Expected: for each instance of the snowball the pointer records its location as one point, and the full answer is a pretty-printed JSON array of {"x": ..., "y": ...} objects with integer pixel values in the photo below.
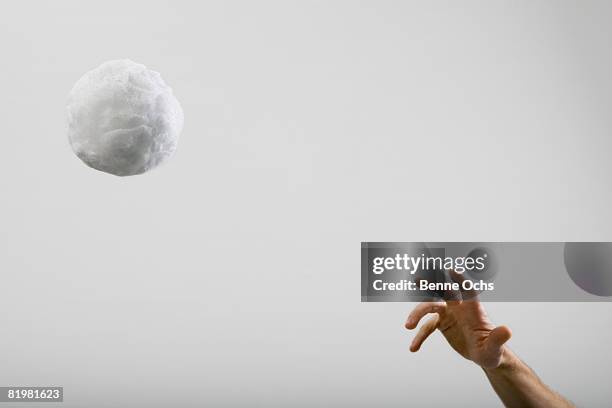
[{"x": 123, "y": 119}]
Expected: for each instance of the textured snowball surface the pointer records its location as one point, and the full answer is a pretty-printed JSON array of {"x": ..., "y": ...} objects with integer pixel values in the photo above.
[{"x": 123, "y": 119}]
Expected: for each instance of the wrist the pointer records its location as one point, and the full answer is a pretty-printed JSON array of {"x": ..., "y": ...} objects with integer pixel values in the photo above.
[{"x": 508, "y": 362}]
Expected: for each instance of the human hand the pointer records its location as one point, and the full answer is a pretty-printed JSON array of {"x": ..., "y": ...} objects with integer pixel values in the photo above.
[{"x": 466, "y": 327}]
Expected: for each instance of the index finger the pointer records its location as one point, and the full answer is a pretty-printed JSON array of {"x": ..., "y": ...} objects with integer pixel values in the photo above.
[{"x": 421, "y": 310}]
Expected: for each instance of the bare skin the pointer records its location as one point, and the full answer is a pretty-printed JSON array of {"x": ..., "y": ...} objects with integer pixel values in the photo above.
[{"x": 469, "y": 331}]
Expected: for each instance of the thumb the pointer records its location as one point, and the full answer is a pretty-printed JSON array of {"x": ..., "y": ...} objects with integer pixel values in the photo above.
[{"x": 498, "y": 337}]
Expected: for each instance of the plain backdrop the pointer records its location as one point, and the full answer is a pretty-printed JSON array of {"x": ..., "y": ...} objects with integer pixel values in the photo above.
[{"x": 230, "y": 276}]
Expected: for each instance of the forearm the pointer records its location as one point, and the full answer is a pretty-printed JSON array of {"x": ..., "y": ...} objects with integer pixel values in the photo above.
[{"x": 518, "y": 386}]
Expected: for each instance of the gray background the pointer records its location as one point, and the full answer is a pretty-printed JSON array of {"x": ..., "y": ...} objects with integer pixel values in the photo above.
[{"x": 230, "y": 276}]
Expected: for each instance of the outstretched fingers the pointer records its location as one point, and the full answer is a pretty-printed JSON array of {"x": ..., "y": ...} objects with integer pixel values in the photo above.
[{"x": 421, "y": 310}]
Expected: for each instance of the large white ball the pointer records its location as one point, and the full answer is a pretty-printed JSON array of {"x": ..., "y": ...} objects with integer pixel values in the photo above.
[{"x": 123, "y": 119}]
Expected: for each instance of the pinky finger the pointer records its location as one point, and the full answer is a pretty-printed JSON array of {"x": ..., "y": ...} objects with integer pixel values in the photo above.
[{"x": 429, "y": 327}]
